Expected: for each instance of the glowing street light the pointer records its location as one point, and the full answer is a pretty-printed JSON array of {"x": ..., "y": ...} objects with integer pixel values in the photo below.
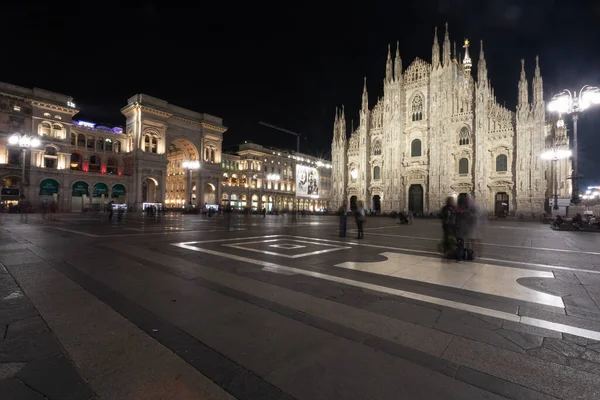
[
  {"x": 570, "y": 103},
  {"x": 555, "y": 154},
  {"x": 24, "y": 142}
]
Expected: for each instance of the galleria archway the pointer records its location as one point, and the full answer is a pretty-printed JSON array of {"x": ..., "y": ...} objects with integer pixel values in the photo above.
[{"x": 180, "y": 188}]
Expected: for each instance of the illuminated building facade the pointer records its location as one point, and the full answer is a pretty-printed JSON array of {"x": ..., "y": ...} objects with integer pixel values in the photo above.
[
  {"x": 80, "y": 165},
  {"x": 439, "y": 132},
  {"x": 259, "y": 177}
]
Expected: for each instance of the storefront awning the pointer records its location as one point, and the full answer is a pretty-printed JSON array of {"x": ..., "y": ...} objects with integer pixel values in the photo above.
[
  {"x": 100, "y": 189},
  {"x": 118, "y": 190},
  {"x": 80, "y": 188},
  {"x": 48, "y": 187}
]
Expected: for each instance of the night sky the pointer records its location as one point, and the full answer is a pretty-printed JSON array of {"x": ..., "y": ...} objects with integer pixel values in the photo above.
[{"x": 287, "y": 63}]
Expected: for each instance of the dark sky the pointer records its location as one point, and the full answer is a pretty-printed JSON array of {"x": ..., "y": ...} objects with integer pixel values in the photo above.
[{"x": 287, "y": 63}]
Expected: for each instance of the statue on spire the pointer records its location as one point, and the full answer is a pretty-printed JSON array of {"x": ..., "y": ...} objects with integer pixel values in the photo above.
[{"x": 467, "y": 60}]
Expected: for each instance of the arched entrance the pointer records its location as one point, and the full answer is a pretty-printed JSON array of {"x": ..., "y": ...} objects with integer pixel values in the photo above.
[
  {"x": 80, "y": 192},
  {"x": 180, "y": 180},
  {"x": 99, "y": 195},
  {"x": 149, "y": 190},
  {"x": 377, "y": 203},
  {"x": 501, "y": 204},
  {"x": 49, "y": 191},
  {"x": 353, "y": 203},
  {"x": 210, "y": 194},
  {"x": 118, "y": 193},
  {"x": 462, "y": 197},
  {"x": 415, "y": 199}
]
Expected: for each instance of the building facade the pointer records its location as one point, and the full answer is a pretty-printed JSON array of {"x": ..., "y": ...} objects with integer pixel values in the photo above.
[
  {"x": 165, "y": 154},
  {"x": 258, "y": 177},
  {"x": 438, "y": 132},
  {"x": 80, "y": 165}
]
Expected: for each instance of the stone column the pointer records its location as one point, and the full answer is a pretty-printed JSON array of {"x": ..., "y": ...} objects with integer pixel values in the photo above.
[
  {"x": 218, "y": 191},
  {"x": 200, "y": 190}
]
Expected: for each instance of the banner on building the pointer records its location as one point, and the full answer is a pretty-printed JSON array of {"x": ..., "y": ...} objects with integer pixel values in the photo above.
[{"x": 307, "y": 181}]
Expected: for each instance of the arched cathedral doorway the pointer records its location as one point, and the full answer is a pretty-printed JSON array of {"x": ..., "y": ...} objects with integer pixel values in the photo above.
[
  {"x": 377, "y": 204},
  {"x": 415, "y": 199}
]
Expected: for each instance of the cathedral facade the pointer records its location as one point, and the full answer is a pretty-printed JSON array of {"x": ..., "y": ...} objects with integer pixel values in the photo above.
[{"x": 439, "y": 132}]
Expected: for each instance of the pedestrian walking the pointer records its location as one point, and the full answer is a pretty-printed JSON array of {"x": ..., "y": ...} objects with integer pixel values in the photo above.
[
  {"x": 110, "y": 210},
  {"x": 343, "y": 214},
  {"x": 360, "y": 220}
]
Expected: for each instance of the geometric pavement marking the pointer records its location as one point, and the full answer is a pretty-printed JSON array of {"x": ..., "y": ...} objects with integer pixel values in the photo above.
[
  {"x": 287, "y": 246},
  {"x": 282, "y": 269}
]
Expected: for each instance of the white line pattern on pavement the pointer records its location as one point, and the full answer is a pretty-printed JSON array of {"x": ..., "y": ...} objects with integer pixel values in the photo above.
[
  {"x": 428, "y": 252},
  {"x": 273, "y": 267},
  {"x": 592, "y": 253}
]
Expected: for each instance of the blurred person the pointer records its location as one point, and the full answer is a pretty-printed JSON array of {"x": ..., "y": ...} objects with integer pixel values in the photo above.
[
  {"x": 343, "y": 214},
  {"x": 471, "y": 226},
  {"x": 448, "y": 215},
  {"x": 360, "y": 219}
]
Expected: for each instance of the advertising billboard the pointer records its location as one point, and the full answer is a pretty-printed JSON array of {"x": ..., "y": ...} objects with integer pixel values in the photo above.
[{"x": 307, "y": 181}]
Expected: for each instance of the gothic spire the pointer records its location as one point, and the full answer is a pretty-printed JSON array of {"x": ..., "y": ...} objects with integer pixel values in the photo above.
[
  {"x": 481, "y": 66},
  {"x": 538, "y": 83},
  {"x": 454, "y": 52},
  {"x": 446, "y": 48},
  {"x": 523, "y": 92},
  {"x": 397, "y": 63},
  {"x": 388, "y": 67},
  {"x": 365, "y": 97},
  {"x": 435, "y": 50}
]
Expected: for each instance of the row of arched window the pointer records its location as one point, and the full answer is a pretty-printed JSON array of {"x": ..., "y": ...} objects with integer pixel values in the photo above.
[
  {"x": 501, "y": 164},
  {"x": 51, "y": 130},
  {"x": 95, "y": 144},
  {"x": 94, "y": 164},
  {"x": 463, "y": 166}
]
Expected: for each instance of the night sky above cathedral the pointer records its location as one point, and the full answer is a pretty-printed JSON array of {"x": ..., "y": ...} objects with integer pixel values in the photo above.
[{"x": 289, "y": 64}]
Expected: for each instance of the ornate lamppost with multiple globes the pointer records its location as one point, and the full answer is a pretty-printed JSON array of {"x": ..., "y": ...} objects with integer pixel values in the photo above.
[
  {"x": 574, "y": 104},
  {"x": 24, "y": 142},
  {"x": 554, "y": 154}
]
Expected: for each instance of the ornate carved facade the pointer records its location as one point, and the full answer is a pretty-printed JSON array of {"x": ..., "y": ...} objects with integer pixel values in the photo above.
[{"x": 439, "y": 132}]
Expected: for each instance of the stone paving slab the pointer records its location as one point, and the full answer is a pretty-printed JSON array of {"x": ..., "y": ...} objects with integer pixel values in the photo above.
[
  {"x": 117, "y": 359},
  {"x": 32, "y": 363},
  {"x": 542, "y": 376}
]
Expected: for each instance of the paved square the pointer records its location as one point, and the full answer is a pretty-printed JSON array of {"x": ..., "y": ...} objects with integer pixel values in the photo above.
[{"x": 288, "y": 247}]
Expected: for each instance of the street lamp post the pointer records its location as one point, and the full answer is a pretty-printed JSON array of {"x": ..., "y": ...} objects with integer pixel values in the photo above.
[
  {"x": 567, "y": 103},
  {"x": 554, "y": 154},
  {"x": 191, "y": 166},
  {"x": 24, "y": 142}
]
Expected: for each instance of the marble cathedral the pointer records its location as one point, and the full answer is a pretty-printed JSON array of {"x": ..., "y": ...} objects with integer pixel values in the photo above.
[{"x": 438, "y": 132}]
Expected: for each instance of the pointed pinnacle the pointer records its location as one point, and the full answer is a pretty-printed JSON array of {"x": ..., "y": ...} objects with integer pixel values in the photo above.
[
  {"x": 435, "y": 35},
  {"x": 389, "y": 53},
  {"x": 447, "y": 34},
  {"x": 397, "y": 48},
  {"x": 481, "y": 49}
]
